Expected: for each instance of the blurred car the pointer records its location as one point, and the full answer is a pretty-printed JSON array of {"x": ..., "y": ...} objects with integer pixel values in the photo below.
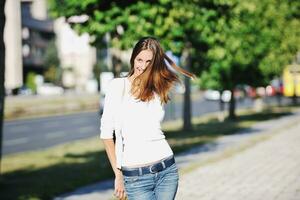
[
  {"x": 270, "y": 90},
  {"x": 49, "y": 89},
  {"x": 24, "y": 91},
  {"x": 261, "y": 91},
  {"x": 250, "y": 91},
  {"x": 214, "y": 95}
]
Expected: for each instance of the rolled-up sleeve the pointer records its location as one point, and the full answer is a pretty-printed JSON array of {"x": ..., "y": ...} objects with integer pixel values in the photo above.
[{"x": 107, "y": 120}]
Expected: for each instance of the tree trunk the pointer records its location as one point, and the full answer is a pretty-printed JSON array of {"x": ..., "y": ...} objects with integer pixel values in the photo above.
[
  {"x": 117, "y": 66},
  {"x": 294, "y": 98},
  {"x": 186, "y": 62},
  {"x": 187, "y": 125},
  {"x": 279, "y": 99},
  {"x": 232, "y": 106},
  {"x": 221, "y": 116},
  {"x": 2, "y": 72}
]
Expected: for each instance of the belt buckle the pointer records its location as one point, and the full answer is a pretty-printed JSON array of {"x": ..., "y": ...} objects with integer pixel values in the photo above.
[
  {"x": 156, "y": 168},
  {"x": 150, "y": 169}
]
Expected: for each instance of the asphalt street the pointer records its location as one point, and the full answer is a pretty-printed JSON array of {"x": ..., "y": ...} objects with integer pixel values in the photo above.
[{"x": 35, "y": 134}]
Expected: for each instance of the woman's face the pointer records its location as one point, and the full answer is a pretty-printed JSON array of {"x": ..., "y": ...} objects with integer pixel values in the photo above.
[{"x": 142, "y": 61}]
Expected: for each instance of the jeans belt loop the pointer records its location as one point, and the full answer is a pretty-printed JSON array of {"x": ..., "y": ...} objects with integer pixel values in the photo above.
[
  {"x": 140, "y": 171},
  {"x": 163, "y": 164}
]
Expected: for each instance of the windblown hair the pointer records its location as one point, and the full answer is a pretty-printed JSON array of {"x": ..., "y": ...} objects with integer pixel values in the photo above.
[{"x": 157, "y": 77}]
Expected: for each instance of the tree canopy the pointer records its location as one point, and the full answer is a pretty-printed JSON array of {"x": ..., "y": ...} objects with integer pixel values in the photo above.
[
  {"x": 230, "y": 42},
  {"x": 256, "y": 40}
]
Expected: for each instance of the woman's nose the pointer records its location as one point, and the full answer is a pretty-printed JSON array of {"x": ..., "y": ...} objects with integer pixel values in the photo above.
[{"x": 143, "y": 66}]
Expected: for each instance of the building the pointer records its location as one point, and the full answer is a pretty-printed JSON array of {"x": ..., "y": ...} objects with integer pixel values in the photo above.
[
  {"x": 37, "y": 32},
  {"x": 28, "y": 31},
  {"x": 77, "y": 57}
]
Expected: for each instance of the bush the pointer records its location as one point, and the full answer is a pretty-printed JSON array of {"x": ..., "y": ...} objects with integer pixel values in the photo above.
[{"x": 30, "y": 81}]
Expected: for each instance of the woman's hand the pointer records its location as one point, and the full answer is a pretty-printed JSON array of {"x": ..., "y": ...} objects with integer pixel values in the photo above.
[{"x": 119, "y": 188}]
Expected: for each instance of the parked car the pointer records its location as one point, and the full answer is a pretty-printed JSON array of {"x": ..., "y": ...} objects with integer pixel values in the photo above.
[
  {"x": 49, "y": 89},
  {"x": 214, "y": 95},
  {"x": 25, "y": 91},
  {"x": 226, "y": 95}
]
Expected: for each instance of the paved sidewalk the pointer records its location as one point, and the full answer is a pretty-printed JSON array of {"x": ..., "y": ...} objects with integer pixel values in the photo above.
[
  {"x": 268, "y": 171},
  {"x": 262, "y": 162}
]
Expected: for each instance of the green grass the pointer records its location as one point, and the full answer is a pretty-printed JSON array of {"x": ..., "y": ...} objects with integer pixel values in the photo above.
[{"x": 44, "y": 174}]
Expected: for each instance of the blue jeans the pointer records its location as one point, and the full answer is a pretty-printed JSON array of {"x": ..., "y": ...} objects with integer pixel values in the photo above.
[{"x": 157, "y": 186}]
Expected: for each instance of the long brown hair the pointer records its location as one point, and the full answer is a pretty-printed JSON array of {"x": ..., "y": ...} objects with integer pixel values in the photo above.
[{"x": 157, "y": 77}]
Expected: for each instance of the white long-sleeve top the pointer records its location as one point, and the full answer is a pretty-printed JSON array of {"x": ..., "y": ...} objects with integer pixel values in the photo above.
[{"x": 141, "y": 140}]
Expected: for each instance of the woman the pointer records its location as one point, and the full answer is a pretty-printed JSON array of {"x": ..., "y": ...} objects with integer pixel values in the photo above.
[{"x": 141, "y": 158}]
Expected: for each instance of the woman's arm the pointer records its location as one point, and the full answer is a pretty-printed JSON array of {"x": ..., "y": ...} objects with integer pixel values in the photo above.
[
  {"x": 110, "y": 151},
  {"x": 107, "y": 130}
]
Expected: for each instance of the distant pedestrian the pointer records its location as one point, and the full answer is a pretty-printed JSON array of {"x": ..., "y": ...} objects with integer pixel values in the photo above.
[{"x": 141, "y": 158}]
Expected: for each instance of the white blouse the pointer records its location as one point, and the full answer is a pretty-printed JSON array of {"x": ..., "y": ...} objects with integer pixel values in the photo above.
[{"x": 143, "y": 141}]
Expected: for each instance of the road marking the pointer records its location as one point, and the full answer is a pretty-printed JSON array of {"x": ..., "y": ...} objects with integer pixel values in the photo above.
[
  {"x": 51, "y": 124},
  {"x": 18, "y": 129},
  {"x": 85, "y": 129},
  {"x": 78, "y": 121},
  {"x": 15, "y": 141},
  {"x": 55, "y": 134}
]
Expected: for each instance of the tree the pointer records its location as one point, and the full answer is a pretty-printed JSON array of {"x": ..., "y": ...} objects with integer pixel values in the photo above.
[
  {"x": 229, "y": 42},
  {"x": 2, "y": 73},
  {"x": 50, "y": 59},
  {"x": 175, "y": 23},
  {"x": 251, "y": 48}
]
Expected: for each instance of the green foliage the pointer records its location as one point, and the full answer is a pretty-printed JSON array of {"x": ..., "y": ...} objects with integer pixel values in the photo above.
[
  {"x": 53, "y": 73},
  {"x": 175, "y": 23},
  {"x": 250, "y": 46},
  {"x": 232, "y": 42},
  {"x": 51, "y": 56},
  {"x": 30, "y": 81}
]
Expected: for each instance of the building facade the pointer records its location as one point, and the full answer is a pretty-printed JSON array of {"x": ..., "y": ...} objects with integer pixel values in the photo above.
[{"x": 28, "y": 32}]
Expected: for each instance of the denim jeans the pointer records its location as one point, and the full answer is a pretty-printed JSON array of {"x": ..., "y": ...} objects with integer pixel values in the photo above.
[{"x": 157, "y": 186}]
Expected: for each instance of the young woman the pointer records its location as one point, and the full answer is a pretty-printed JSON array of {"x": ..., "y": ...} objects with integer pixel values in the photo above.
[{"x": 141, "y": 158}]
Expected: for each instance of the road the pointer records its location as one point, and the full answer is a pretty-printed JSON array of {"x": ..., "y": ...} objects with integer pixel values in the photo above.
[{"x": 35, "y": 134}]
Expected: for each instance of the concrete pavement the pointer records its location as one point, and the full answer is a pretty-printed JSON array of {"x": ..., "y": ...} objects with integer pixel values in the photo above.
[
  {"x": 262, "y": 162},
  {"x": 269, "y": 170}
]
